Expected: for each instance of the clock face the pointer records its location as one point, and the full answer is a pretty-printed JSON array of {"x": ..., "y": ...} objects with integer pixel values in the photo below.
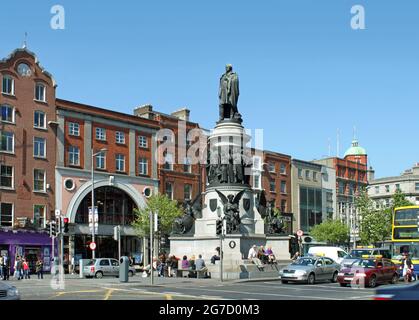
[{"x": 24, "y": 70}]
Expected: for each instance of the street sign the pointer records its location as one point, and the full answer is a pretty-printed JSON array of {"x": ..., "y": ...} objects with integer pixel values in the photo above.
[
  {"x": 57, "y": 213},
  {"x": 300, "y": 233},
  {"x": 92, "y": 246}
]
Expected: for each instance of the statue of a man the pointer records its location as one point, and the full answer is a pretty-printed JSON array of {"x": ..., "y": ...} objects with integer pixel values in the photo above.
[{"x": 229, "y": 94}]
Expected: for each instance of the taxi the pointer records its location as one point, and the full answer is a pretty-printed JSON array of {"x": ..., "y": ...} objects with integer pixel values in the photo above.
[{"x": 369, "y": 271}]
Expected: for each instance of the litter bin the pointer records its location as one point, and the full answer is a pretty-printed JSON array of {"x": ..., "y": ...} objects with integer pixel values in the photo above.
[{"x": 123, "y": 269}]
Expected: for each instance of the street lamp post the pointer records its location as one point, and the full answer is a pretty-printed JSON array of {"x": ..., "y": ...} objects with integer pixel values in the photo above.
[{"x": 93, "y": 199}]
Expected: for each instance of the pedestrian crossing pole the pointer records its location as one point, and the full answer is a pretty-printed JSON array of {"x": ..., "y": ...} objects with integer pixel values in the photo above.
[{"x": 151, "y": 247}]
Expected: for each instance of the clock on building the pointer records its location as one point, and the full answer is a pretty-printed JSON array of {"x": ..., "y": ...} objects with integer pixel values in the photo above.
[{"x": 24, "y": 70}]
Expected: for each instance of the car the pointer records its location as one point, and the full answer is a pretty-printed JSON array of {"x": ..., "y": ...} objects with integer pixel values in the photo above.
[
  {"x": 8, "y": 292},
  {"x": 310, "y": 269},
  {"x": 408, "y": 292},
  {"x": 365, "y": 252},
  {"x": 335, "y": 253},
  {"x": 369, "y": 272},
  {"x": 104, "y": 267}
]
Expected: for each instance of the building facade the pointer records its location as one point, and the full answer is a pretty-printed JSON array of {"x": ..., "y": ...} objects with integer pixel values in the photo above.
[
  {"x": 27, "y": 156},
  {"x": 382, "y": 190}
]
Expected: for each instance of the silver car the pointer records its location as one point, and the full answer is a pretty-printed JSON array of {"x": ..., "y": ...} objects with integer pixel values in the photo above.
[
  {"x": 8, "y": 292},
  {"x": 310, "y": 270},
  {"x": 104, "y": 267}
]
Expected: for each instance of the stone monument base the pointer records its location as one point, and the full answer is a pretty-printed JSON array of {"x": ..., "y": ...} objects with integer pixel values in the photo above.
[{"x": 235, "y": 247}]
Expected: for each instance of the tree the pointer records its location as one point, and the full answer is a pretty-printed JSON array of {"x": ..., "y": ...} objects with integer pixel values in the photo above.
[
  {"x": 167, "y": 209},
  {"x": 331, "y": 231}
]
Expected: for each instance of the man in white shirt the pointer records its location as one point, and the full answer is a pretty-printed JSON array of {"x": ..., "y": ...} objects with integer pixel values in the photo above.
[{"x": 253, "y": 255}]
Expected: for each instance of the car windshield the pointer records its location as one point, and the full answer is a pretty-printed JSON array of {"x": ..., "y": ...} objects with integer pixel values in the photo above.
[
  {"x": 91, "y": 262},
  {"x": 364, "y": 263},
  {"x": 360, "y": 253},
  {"x": 304, "y": 261}
]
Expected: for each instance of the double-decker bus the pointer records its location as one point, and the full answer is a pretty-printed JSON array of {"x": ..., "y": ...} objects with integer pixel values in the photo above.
[{"x": 405, "y": 234}]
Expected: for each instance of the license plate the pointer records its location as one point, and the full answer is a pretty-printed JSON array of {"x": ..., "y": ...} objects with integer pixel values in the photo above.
[{"x": 347, "y": 279}]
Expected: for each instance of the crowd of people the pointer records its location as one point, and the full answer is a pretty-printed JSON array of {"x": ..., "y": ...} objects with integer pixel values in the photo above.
[
  {"x": 261, "y": 256},
  {"x": 21, "y": 268}
]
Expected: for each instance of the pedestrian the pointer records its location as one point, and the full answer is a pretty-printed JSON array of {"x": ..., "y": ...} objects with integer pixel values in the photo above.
[
  {"x": 192, "y": 267},
  {"x": 185, "y": 263},
  {"x": 39, "y": 268},
  {"x": 407, "y": 267},
  {"x": 296, "y": 256},
  {"x": 161, "y": 267},
  {"x": 262, "y": 255},
  {"x": 1, "y": 267},
  {"x": 216, "y": 256},
  {"x": 17, "y": 267},
  {"x": 200, "y": 266},
  {"x": 270, "y": 254},
  {"x": 26, "y": 270},
  {"x": 6, "y": 267}
]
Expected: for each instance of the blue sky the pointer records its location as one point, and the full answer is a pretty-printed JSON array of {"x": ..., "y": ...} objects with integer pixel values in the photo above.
[{"x": 303, "y": 71}]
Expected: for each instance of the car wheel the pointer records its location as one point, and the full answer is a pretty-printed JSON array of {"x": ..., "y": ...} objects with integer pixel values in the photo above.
[
  {"x": 395, "y": 279},
  {"x": 130, "y": 274},
  {"x": 311, "y": 278},
  {"x": 99, "y": 275},
  {"x": 284, "y": 281},
  {"x": 335, "y": 277},
  {"x": 373, "y": 281}
]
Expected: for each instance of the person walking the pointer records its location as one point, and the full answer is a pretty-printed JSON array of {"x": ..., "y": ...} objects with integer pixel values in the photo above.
[
  {"x": 39, "y": 268},
  {"x": 1, "y": 267},
  {"x": 26, "y": 271},
  {"x": 18, "y": 267},
  {"x": 6, "y": 267},
  {"x": 407, "y": 267}
]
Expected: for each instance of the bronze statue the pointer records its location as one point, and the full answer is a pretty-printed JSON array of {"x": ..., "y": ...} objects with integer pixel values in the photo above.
[
  {"x": 231, "y": 210},
  {"x": 229, "y": 94},
  {"x": 183, "y": 224},
  {"x": 275, "y": 225}
]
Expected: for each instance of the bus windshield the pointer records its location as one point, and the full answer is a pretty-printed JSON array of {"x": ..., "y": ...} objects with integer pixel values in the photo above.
[
  {"x": 406, "y": 217},
  {"x": 410, "y": 247}
]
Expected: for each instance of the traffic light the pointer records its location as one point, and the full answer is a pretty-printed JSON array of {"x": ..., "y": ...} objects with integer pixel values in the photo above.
[
  {"x": 65, "y": 225},
  {"x": 219, "y": 227},
  {"x": 52, "y": 229}
]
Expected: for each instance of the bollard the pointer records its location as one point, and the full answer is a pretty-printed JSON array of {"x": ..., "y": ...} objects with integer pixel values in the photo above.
[
  {"x": 123, "y": 269},
  {"x": 81, "y": 266}
]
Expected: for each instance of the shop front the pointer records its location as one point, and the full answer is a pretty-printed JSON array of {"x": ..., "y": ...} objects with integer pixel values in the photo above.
[{"x": 29, "y": 244}]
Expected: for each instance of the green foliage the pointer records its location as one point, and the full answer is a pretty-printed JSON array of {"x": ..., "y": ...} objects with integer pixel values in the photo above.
[
  {"x": 167, "y": 209},
  {"x": 331, "y": 231},
  {"x": 376, "y": 223}
]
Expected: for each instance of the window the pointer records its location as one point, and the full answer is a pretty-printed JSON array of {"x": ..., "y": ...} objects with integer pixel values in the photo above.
[
  {"x": 7, "y": 141},
  {"x": 398, "y": 187},
  {"x": 120, "y": 162},
  {"x": 351, "y": 189},
  {"x": 256, "y": 181},
  {"x": 272, "y": 186},
  {"x": 143, "y": 166},
  {"x": 169, "y": 190},
  {"x": 7, "y": 113},
  {"x": 283, "y": 187},
  {"x": 39, "y": 180},
  {"x": 120, "y": 137},
  {"x": 187, "y": 191},
  {"x": 341, "y": 187},
  {"x": 307, "y": 174},
  {"x": 40, "y": 92},
  {"x": 187, "y": 165},
  {"x": 73, "y": 156},
  {"x": 100, "y": 134},
  {"x": 315, "y": 176},
  {"x": 8, "y": 86},
  {"x": 387, "y": 188},
  {"x": 6, "y": 214},
  {"x": 377, "y": 189},
  {"x": 283, "y": 169},
  {"x": 271, "y": 167},
  {"x": 417, "y": 186},
  {"x": 39, "y": 120},
  {"x": 104, "y": 262},
  {"x": 142, "y": 142},
  {"x": 6, "y": 176},
  {"x": 283, "y": 205},
  {"x": 168, "y": 162},
  {"x": 300, "y": 173},
  {"x": 256, "y": 163},
  {"x": 74, "y": 129},
  {"x": 39, "y": 147},
  {"x": 101, "y": 160},
  {"x": 39, "y": 216}
]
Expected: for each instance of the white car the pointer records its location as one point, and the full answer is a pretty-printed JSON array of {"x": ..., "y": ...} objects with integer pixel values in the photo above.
[
  {"x": 335, "y": 253},
  {"x": 104, "y": 267}
]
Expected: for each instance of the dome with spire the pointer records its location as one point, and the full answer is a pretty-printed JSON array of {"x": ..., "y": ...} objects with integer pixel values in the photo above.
[{"x": 355, "y": 150}]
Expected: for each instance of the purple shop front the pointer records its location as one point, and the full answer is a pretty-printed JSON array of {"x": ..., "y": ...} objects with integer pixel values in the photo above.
[{"x": 29, "y": 244}]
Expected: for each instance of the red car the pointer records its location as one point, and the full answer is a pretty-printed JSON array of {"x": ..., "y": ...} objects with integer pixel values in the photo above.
[{"x": 369, "y": 272}]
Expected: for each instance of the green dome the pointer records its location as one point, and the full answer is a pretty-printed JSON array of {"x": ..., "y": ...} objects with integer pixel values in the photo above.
[{"x": 355, "y": 150}]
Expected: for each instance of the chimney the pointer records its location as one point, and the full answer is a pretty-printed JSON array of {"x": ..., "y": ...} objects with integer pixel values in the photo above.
[
  {"x": 182, "y": 114},
  {"x": 370, "y": 174},
  {"x": 144, "y": 111}
]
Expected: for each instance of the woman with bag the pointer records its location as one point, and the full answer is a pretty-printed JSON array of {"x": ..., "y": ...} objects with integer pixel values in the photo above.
[{"x": 407, "y": 267}]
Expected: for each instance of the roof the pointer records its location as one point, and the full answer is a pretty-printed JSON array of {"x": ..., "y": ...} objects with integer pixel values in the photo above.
[{"x": 355, "y": 150}]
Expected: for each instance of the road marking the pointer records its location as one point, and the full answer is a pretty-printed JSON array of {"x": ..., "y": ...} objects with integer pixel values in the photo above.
[
  {"x": 108, "y": 294},
  {"x": 168, "y": 297},
  {"x": 298, "y": 287}
]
